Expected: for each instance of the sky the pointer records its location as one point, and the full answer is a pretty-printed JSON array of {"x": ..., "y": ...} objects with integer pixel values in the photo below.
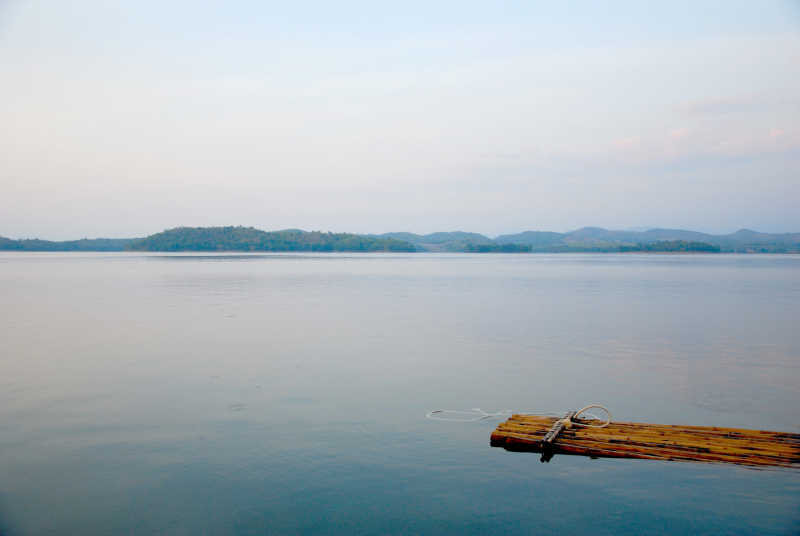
[{"x": 121, "y": 119}]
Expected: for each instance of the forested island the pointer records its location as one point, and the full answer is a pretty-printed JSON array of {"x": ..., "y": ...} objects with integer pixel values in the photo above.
[
  {"x": 252, "y": 239},
  {"x": 584, "y": 240}
]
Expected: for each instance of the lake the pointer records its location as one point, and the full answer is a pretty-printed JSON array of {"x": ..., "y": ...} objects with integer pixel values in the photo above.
[{"x": 287, "y": 393}]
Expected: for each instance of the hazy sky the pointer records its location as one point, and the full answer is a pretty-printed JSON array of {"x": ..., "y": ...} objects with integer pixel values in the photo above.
[{"x": 125, "y": 118}]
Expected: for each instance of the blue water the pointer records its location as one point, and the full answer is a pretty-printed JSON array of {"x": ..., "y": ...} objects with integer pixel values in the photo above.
[{"x": 286, "y": 394}]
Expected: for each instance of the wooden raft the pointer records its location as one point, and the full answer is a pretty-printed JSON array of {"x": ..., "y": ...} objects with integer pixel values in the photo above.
[{"x": 651, "y": 441}]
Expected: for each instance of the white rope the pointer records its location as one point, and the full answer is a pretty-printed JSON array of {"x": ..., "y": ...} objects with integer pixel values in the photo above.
[
  {"x": 464, "y": 415},
  {"x": 477, "y": 414},
  {"x": 569, "y": 421}
]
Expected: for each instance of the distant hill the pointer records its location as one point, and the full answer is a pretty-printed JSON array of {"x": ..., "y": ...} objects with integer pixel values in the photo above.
[
  {"x": 251, "y": 239},
  {"x": 594, "y": 238},
  {"x": 532, "y": 238},
  {"x": 454, "y": 241},
  {"x": 586, "y": 239},
  {"x": 672, "y": 246},
  {"x": 85, "y": 244}
]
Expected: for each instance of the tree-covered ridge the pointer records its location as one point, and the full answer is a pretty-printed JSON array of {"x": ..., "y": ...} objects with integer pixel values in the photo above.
[
  {"x": 252, "y": 239},
  {"x": 453, "y": 241},
  {"x": 599, "y": 239},
  {"x": 84, "y": 244},
  {"x": 586, "y": 239},
  {"x": 469, "y": 247},
  {"x": 673, "y": 246}
]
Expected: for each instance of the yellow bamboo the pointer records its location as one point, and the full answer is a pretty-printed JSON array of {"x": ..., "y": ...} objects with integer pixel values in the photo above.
[
  {"x": 655, "y": 441},
  {"x": 684, "y": 440}
]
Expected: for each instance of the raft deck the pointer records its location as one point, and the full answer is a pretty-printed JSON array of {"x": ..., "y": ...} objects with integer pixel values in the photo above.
[{"x": 651, "y": 441}]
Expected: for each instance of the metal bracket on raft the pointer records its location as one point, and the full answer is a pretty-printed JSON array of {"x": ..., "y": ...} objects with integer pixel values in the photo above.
[{"x": 546, "y": 444}]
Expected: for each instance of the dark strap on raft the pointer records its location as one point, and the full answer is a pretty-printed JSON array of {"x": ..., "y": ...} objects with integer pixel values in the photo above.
[{"x": 546, "y": 444}]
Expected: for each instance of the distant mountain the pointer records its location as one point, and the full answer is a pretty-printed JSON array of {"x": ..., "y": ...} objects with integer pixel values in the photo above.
[
  {"x": 85, "y": 244},
  {"x": 653, "y": 235},
  {"x": 252, "y": 239},
  {"x": 585, "y": 239},
  {"x": 592, "y": 238},
  {"x": 532, "y": 238},
  {"x": 745, "y": 239},
  {"x": 406, "y": 237},
  {"x": 672, "y": 246},
  {"x": 454, "y": 241},
  {"x": 456, "y": 236}
]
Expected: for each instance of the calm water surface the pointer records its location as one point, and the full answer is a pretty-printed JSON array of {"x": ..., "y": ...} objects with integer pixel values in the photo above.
[{"x": 284, "y": 394}]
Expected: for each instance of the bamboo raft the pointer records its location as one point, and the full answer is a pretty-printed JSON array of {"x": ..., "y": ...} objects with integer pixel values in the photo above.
[{"x": 550, "y": 435}]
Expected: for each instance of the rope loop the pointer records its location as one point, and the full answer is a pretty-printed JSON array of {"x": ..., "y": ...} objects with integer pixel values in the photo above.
[
  {"x": 576, "y": 420},
  {"x": 579, "y": 418}
]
